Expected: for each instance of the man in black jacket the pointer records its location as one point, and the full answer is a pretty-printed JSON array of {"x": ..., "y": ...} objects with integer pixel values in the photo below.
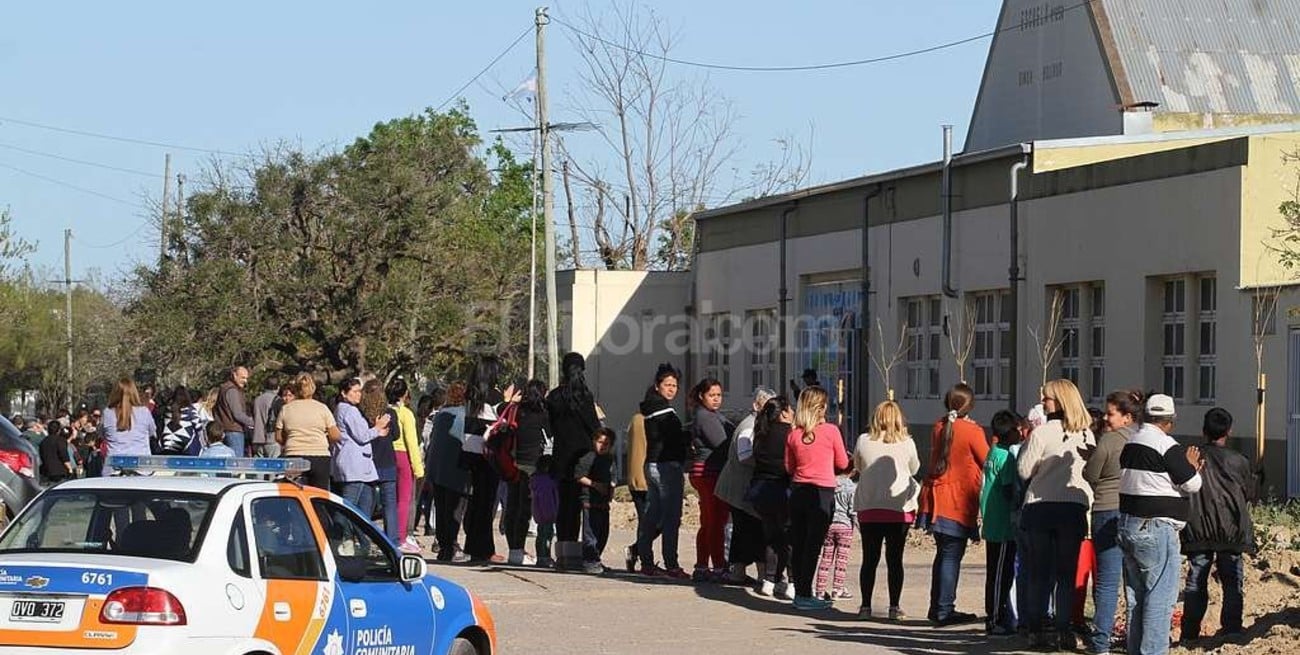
[{"x": 1218, "y": 529}]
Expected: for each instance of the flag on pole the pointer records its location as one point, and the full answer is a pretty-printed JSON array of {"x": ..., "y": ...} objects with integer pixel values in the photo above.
[{"x": 527, "y": 88}]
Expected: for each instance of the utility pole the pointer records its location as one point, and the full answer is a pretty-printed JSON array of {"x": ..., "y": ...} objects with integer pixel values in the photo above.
[
  {"x": 532, "y": 270},
  {"x": 67, "y": 305},
  {"x": 548, "y": 206},
  {"x": 167, "y": 190}
]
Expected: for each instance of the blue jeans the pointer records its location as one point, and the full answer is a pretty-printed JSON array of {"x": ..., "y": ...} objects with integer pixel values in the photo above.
[
  {"x": 1196, "y": 594},
  {"x": 236, "y": 442},
  {"x": 1054, "y": 532},
  {"x": 1152, "y": 565},
  {"x": 362, "y": 497},
  {"x": 665, "y": 485},
  {"x": 949, "y": 551},
  {"x": 1106, "y": 576},
  {"x": 388, "y": 497}
]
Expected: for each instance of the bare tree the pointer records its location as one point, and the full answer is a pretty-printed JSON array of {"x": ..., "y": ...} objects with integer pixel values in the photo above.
[
  {"x": 961, "y": 339},
  {"x": 1047, "y": 337},
  {"x": 668, "y": 142},
  {"x": 885, "y": 361},
  {"x": 1263, "y": 311}
]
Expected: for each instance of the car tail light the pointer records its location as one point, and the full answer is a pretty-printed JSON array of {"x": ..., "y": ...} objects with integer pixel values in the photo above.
[
  {"x": 19, "y": 461},
  {"x": 142, "y": 606}
]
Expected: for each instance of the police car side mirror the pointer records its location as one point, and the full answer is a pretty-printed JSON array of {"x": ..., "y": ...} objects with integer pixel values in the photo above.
[{"x": 413, "y": 568}]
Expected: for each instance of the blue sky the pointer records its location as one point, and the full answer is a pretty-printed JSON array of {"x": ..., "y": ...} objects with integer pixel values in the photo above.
[{"x": 235, "y": 75}]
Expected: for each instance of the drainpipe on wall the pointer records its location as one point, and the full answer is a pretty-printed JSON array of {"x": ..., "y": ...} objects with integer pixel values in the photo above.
[
  {"x": 864, "y": 320},
  {"x": 1014, "y": 278},
  {"x": 783, "y": 297},
  {"x": 946, "y": 203}
]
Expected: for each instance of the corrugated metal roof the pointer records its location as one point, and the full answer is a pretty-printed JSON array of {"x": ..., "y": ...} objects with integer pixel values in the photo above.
[{"x": 1210, "y": 56}]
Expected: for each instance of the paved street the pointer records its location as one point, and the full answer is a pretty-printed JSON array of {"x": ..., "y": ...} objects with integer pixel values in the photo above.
[{"x": 546, "y": 612}]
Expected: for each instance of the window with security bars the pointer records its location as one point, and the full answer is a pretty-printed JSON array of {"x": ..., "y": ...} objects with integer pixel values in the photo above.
[
  {"x": 1173, "y": 327},
  {"x": 922, "y": 324},
  {"x": 1097, "y": 342},
  {"x": 761, "y": 328},
  {"x": 1207, "y": 339},
  {"x": 1082, "y": 353},
  {"x": 990, "y": 356},
  {"x": 717, "y": 347}
]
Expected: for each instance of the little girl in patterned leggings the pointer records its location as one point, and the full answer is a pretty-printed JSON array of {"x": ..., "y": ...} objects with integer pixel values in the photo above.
[{"x": 838, "y": 544}]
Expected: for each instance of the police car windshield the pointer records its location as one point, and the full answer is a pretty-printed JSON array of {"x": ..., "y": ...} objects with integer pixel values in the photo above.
[{"x": 153, "y": 524}]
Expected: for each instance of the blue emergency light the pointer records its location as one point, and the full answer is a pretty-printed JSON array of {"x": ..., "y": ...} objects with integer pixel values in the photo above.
[{"x": 185, "y": 464}]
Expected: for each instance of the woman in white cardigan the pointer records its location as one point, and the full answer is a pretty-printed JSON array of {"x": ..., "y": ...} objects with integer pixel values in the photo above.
[{"x": 887, "y": 463}]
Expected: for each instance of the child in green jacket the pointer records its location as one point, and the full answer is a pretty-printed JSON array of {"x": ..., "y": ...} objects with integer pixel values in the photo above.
[{"x": 998, "y": 499}]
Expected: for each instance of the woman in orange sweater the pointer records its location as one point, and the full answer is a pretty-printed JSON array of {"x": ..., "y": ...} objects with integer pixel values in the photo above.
[{"x": 950, "y": 499}]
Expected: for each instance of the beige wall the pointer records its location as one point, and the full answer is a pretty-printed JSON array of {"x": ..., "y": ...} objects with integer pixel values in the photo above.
[
  {"x": 1270, "y": 179},
  {"x": 620, "y": 321}
]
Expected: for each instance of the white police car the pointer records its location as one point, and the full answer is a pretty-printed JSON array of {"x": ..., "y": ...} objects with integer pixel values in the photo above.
[{"x": 186, "y": 564}]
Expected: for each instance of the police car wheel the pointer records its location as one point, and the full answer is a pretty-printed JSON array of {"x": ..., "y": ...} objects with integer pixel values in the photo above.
[{"x": 462, "y": 646}]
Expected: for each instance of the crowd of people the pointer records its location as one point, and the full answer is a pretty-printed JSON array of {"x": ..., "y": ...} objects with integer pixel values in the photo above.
[{"x": 1059, "y": 496}]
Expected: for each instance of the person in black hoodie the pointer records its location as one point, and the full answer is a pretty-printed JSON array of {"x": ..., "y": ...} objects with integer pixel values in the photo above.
[
  {"x": 532, "y": 440},
  {"x": 482, "y": 400},
  {"x": 769, "y": 490},
  {"x": 666, "y": 451},
  {"x": 572, "y": 411},
  {"x": 1218, "y": 529}
]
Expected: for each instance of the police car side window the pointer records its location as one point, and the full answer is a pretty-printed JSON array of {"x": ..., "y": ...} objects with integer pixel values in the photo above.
[
  {"x": 237, "y": 547},
  {"x": 286, "y": 547},
  {"x": 358, "y": 548}
]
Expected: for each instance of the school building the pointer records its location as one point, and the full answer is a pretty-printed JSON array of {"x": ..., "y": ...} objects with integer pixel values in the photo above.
[{"x": 1113, "y": 218}]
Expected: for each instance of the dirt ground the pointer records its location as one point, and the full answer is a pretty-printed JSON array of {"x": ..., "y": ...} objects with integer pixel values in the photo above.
[{"x": 542, "y": 611}]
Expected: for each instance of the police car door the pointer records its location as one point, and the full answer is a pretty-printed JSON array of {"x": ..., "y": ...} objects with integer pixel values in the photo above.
[
  {"x": 385, "y": 614},
  {"x": 299, "y": 608}
]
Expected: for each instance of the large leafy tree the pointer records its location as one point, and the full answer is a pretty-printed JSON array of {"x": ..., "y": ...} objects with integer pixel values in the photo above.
[{"x": 407, "y": 250}]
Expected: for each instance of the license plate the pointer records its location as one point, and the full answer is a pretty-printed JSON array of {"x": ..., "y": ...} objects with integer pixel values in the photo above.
[{"x": 36, "y": 611}]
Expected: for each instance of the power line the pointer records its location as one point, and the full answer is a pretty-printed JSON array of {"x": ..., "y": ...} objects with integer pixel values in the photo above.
[
  {"x": 69, "y": 185},
  {"x": 803, "y": 67},
  {"x": 132, "y": 171},
  {"x": 487, "y": 68},
  {"x": 128, "y": 237},
  {"x": 123, "y": 139}
]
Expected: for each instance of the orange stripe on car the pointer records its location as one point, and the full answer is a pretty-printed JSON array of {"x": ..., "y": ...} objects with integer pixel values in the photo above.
[
  {"x": 483, "y": 618},
  {"x": 89, "y": 633}
]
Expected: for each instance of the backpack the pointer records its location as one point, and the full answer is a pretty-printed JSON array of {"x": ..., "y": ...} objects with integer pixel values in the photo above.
[{"x": 500, "y": 441}]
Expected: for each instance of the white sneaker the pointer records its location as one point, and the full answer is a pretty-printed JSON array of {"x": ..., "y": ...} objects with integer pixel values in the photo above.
[
  {"x": 521, "y": 558},
  {"x": 785, "y": 590},
  {"x": 766, "y": 588},
  {"x": 411, "y": 546}
]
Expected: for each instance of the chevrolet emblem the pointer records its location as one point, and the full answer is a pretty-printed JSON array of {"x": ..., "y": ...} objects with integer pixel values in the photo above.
[{"x": 37, "y": 582}]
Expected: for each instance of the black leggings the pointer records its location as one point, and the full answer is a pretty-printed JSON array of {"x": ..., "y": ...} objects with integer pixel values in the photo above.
[
  {"x": 810, "y": 517},
  {"x": 447, "y": 509},
  {"x": 568, "y": 522},
  {"x": 479, "y": 541},
  {"x": 774, "y": 513},
  {"x": 519, "y": 511},
  {"x": 319, "y": 474},
  {"x": 893, "y": 536}
]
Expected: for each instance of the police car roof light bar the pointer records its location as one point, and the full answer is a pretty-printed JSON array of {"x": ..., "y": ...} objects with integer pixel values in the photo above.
[{"x": 187, "y": 464}]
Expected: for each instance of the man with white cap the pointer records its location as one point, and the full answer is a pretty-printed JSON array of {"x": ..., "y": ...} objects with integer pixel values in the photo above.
[{"x": 1157, "y": 477}]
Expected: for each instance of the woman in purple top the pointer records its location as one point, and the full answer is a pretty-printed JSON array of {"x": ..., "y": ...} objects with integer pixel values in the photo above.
[
  {"x": 353, "y": 458},
  {"x": 128, "y": 425}
]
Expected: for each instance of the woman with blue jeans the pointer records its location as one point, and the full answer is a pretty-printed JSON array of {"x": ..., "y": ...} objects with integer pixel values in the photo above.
[
  {"x": 374, "y": 404},
  {"x": 353, "y": 456},
  {"x": 1102, "y": 472},
  {"x": 666, "y": 450}
]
